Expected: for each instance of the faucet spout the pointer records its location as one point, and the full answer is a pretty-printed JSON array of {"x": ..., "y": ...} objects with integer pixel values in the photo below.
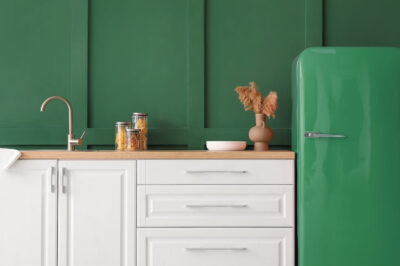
[
  {"x": 71, "y": 141},
  {"x": 70, "y": 121}
]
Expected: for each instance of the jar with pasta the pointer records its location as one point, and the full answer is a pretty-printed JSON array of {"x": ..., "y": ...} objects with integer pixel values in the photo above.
[
  {"x": 140, "y": 122},
  {"x": 132, "y": 139},
  {"x": 120, "y": 135}
]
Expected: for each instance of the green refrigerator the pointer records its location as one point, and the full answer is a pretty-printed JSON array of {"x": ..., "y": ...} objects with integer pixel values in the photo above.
[{"x": 346, "y": 135}]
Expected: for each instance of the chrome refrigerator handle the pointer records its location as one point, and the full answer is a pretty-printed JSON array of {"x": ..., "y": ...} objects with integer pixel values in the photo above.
[{"x": 317, "y": 135}]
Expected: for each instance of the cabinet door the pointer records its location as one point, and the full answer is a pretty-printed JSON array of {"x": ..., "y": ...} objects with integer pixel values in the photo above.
[
  {"x": 28, "y": 207},
  {"x": 215, "y": 247},
  {"x": 97, "y": 213}
]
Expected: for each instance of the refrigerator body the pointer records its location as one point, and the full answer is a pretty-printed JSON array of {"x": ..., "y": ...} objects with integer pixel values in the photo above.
[{"x": 346, "y": 131}]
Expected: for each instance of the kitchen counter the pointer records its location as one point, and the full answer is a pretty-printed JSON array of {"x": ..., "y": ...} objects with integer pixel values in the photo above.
[{"x": 118, "y": 155}]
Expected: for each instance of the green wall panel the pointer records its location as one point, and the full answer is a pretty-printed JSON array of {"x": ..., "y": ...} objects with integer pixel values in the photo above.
[
  {"x": 34, "y": 63},
  {"x": 178, "y": 60},
  {"x": 138, "y": 62},
  {"x": 361, "y": 23},
  {"x": 245, "y": 41}
]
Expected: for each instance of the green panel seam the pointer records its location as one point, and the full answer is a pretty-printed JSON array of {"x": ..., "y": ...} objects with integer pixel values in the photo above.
[
  {"x": 79, "y": 66},
  {"x": 313, "y": 23},
  {"x": 195, "y": 63},
  {"x": 105, "y": 136},
  {"x": 34, "y": 136},
  {"x": 173, "y": 136}
]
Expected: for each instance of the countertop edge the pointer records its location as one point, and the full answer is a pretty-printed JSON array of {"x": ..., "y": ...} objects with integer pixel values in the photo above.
[{"x": 143, "y": 155}]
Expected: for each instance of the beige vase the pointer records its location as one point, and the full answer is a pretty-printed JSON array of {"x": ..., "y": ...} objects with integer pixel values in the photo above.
[{"x": 261, "y": 134}]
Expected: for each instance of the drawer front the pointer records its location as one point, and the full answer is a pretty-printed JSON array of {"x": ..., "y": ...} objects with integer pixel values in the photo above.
[
  {"x": 216, "y": 206},
  {"x": 215, "y": 247},
  {"x": 215, "y": 172}
]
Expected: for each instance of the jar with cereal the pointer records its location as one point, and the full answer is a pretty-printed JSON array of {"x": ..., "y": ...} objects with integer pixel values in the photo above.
[{"x": 140, "y": 122}]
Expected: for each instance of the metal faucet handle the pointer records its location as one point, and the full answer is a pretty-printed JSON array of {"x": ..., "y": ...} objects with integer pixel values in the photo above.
[
  {"x": 77, "y": 142},
  {"x": 83, "y": 135}
]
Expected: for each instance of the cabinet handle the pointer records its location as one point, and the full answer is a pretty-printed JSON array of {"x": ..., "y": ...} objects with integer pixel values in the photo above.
[
  {"x": 216, "y": 249},
  {"x": 63, "y": 181},
  {"x": 53, "y": 180},
  {"x": 216, "y": 206},
  {"x": 215, "y": 171}
]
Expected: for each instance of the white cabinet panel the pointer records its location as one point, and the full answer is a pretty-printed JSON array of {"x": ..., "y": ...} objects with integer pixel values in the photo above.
[
  {"x": 97, "y": 213},
  {"x": 28, "y": 207},
  {"x": 87, "y": 215},
  {"x": 215, "y": 206},
  {"x": 215, "y": 172},
  {"x": 215, "y": 247}
]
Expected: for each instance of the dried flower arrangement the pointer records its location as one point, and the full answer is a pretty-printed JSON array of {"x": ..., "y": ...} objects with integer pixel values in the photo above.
[{"x": 253, "y": 100}]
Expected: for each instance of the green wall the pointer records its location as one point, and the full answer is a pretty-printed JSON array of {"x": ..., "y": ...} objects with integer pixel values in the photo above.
[{"x": 178, "y": 60}]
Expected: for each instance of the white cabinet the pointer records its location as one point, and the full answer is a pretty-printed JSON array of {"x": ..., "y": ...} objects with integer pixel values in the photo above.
[
  {"x": 214, "y": 172},
  {"x": 190, "y": 212},
  {"x": 216, "y": 213},
  {"x": 97, "y": 223},
  {"x": 215, "y": 247},
  {"x": 215, "y": 206},
  {"x": 28, "y": 220},
  {"x": 84, "y": 217}
]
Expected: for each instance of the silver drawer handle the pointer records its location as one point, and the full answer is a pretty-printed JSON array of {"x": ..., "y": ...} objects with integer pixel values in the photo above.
[
  {"x": 64, "y": 183},
  {"x": 215, "y": 172},
  {"x": 216, "y": 206},
  {"x": 53, "y": 180},
  {"x": 216, "y": 249},
  {"x": 317, "y": 135}
]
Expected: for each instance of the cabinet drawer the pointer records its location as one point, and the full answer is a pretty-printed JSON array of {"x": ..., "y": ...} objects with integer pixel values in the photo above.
[
  {"x": 215, "y": 206},
  {"x": 215, "y": 247},
  {"x": 215, "y": 172}
]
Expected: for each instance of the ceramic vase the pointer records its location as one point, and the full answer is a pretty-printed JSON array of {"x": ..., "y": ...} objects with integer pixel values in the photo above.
[{"x": 261, "y": 134}]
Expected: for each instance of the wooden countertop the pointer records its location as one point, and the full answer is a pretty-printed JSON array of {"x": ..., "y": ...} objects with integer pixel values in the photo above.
[{"x": 118, "y": 155}]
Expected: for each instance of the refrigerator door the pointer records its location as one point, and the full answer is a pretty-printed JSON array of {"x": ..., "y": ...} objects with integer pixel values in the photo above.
[{"x": 348, "y": 187}]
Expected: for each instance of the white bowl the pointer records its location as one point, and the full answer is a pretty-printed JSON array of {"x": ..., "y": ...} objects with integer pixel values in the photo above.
[{"x": 226, "y": 145}]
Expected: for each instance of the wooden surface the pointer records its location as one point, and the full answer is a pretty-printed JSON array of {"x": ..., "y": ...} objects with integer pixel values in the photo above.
[{"x": 98, "y": 155}]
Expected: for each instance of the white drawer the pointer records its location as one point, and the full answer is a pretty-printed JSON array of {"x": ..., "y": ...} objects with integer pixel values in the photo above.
[
  {"x": 215, "y": 247},
  {"x": 215, "y": 172},
  {"x": 216, "y": 206}
]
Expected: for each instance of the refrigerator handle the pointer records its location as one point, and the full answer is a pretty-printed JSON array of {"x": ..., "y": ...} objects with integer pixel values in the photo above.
[{"x": 317, "y": 135}]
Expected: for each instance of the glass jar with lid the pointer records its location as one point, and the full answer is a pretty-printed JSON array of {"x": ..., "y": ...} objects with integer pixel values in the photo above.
[
  {"x": 139, "y": 121},
  {"x": 132, "y": 139},
  {"x": 120, "y": 135}
]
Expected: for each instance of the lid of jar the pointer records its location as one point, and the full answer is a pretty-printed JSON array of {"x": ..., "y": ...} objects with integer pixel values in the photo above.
[
  {"x": 139, "y": 114},
  {"x": 123, "y": 123},
  {"x": 134, "y": 130}
]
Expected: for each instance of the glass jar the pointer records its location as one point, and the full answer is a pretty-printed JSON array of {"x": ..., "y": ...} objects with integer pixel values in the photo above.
[
  {"x": 139, "y": 121},
  {"x": 132, "y": 139},
  {"x": 120, "y": 135}
]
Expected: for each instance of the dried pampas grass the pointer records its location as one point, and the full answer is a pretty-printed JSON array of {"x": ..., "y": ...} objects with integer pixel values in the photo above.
[{"x": 253, "y": 100}]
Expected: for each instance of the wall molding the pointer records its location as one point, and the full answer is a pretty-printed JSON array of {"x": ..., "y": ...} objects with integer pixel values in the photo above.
[
  {"x": 195, "y": 134},
  {"x": 79, "y": 65},
  {"x": 313, "y": 23},
  {"x": 196, "y": 71}
]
